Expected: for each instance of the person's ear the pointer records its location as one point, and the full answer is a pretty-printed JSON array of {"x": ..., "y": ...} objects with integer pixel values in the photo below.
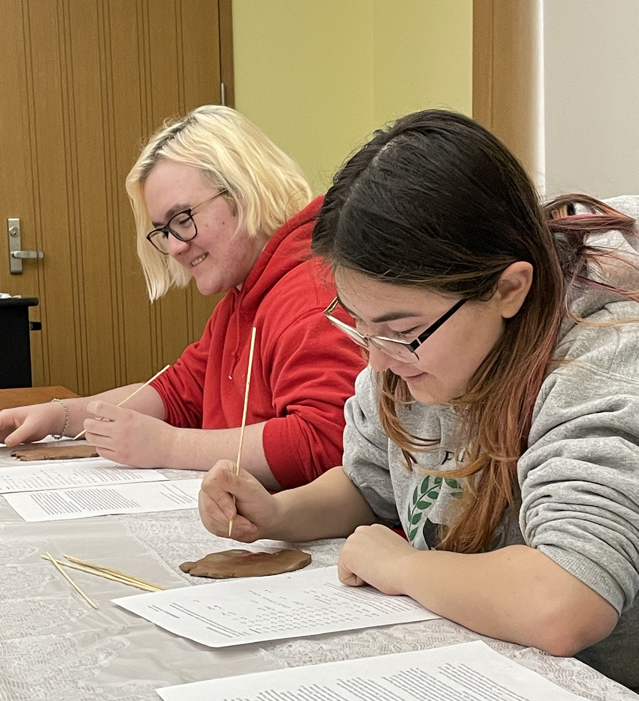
[{"x": 512, "y": 287}]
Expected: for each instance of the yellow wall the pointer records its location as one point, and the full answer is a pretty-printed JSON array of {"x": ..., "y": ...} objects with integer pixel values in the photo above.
[
  {"x": 423, "y": 56},
  {"x": 319, "y": 75}
]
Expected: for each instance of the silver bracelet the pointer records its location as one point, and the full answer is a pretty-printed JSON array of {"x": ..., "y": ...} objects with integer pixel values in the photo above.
[{"x": 66, "y": 420}]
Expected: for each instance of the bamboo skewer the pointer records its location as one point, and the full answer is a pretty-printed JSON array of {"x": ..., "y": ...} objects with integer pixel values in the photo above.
[
  {"x": 125, "y": 579},
  {"x": 244, "y": 412},
  {"x": 126, "y": 399},
  {"x": 73, "y": 584},
  {"x": 115, "y": 573}
]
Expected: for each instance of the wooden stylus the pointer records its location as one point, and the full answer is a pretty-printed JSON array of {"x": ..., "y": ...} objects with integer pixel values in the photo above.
[
  {"x": 246, "y": 396},
  {"x": 126, "y": 399},
  {"x": 54, "y": 562}
]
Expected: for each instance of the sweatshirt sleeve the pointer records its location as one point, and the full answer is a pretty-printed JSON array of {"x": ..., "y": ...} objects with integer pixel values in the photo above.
[
  {"x": 579, "y": 477},
  {"x": 366, "y": 460},
  {"x": 312, "y": 369}
]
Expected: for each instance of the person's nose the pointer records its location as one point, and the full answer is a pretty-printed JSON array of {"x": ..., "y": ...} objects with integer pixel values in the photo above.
[
  {"x": 176, "y": 247},
  {"x": 378, "y": 360}
]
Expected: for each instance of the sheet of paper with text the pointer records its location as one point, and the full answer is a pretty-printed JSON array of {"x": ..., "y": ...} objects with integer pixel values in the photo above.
[
  {"x": 455, "y": 673},
  {"x": 307, "y": 602},
  {"x": 63, "y": 474},
  {"x": 82, "y": 502}
]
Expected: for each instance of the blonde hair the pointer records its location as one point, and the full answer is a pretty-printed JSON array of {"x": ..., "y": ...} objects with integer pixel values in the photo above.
[{"x": 264, "y": 186}]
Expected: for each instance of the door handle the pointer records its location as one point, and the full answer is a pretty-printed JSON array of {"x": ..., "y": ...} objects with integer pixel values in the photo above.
[
  {"x": 27, "y": 254},
  {"x": 16, "y": 254}
]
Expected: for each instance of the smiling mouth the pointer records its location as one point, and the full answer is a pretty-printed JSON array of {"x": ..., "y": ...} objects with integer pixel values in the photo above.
[{"x": 199, "y": 259}]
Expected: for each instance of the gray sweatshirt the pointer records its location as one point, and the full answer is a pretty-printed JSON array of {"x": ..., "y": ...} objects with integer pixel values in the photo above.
[{"x": 579, "y": 477}]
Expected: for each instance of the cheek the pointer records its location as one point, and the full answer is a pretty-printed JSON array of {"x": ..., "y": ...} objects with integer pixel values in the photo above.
[
  {"x": 456, "y": 356},
  {"x": 476, "y": 346}
]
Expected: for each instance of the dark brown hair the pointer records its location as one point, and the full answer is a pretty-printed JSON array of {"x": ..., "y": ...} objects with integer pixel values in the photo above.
[{"x": 436, "y": 201}]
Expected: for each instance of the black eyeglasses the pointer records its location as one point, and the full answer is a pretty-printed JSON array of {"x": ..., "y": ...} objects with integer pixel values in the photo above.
[
  {"x": 400, "y": 350},
  {"x": 181, "y": 225}
]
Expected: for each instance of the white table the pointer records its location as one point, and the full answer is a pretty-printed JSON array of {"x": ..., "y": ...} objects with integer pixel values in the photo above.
[{"x": 54, "y": 647}]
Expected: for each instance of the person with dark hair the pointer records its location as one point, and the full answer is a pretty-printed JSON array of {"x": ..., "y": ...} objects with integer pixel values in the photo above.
[{"x": 498, "y": 420}]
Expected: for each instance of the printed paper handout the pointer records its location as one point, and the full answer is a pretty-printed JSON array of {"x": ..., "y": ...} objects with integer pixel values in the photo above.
[
  {"x": 239, "y": 611},
  {"x": 61, "y": 504},
  {"x": 465, "y": 672}
]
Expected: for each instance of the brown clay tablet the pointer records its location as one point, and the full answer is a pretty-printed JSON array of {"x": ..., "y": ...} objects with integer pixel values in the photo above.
[
  {"x": 242, "y": 563},
  {"x": 54, "y": 452}
]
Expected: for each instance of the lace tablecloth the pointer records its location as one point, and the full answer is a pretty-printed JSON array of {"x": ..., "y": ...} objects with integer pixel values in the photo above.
[{"x": 54, "y": 647}]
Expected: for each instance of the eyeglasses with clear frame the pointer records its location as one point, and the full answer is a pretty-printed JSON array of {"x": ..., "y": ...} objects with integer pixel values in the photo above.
[
  {"x": 181, "y": 225},
  {"x": 406, "y": 351}
]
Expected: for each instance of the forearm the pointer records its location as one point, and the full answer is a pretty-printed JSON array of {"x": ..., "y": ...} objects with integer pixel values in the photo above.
[
  {"x": 515, "y": 593},
  {"x": 200, "y": 449},
  {"x": 329, "y": 507},
  {"x": 147, "y": 401}
]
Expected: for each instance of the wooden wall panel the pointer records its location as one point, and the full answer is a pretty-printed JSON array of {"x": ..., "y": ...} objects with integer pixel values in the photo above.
[
  {"x": 16, "y": 178},
  {"x": 226, "y": 50},
  {"x": 54, "y": 201},
  {"x": 128, "y": 55},
  {"x": 97, "y": 282},
  {"x": 505, "y": 74},
  {"x": 90, "y": 80}
]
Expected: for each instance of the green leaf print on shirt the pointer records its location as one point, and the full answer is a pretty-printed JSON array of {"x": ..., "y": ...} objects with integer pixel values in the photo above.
[{"x": 424, "y": 496}]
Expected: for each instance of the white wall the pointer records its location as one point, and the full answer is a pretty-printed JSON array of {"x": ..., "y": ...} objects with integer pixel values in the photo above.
[{"x": 591, "y": 95}]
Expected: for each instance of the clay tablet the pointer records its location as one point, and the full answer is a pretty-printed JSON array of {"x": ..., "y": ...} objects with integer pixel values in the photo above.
[
  {"x": 54, "y": 452},
  {"x": 242, "y": 563}
]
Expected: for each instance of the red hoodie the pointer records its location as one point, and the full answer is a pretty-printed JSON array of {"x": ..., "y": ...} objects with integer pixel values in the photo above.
[{"x": 303, "y": 368}]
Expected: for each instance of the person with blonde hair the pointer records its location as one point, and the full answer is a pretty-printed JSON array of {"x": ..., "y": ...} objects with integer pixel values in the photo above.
[
  {"x": 498, "y": 421},
  {"x": 215, "y": 200}
]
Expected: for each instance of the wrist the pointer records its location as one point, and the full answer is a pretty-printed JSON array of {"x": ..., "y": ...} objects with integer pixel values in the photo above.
[
  {"x": 409, "y": 579},
  {"x": 274, "y": 525},
  {"x": 172, "y": 450},
  {"x": 282, "y": 521},
  {"x": 64, "y": 419}
]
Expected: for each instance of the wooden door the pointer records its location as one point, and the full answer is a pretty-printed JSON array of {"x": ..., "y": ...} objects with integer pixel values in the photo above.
[
  {"x": 506, "y": 74},
  {"x": 83, "y": 84}
]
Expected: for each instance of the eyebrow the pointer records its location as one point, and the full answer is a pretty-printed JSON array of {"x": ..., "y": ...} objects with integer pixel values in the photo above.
[
  {"x": 390, "y": 316},
  {"x": 176, "y": 209}
]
